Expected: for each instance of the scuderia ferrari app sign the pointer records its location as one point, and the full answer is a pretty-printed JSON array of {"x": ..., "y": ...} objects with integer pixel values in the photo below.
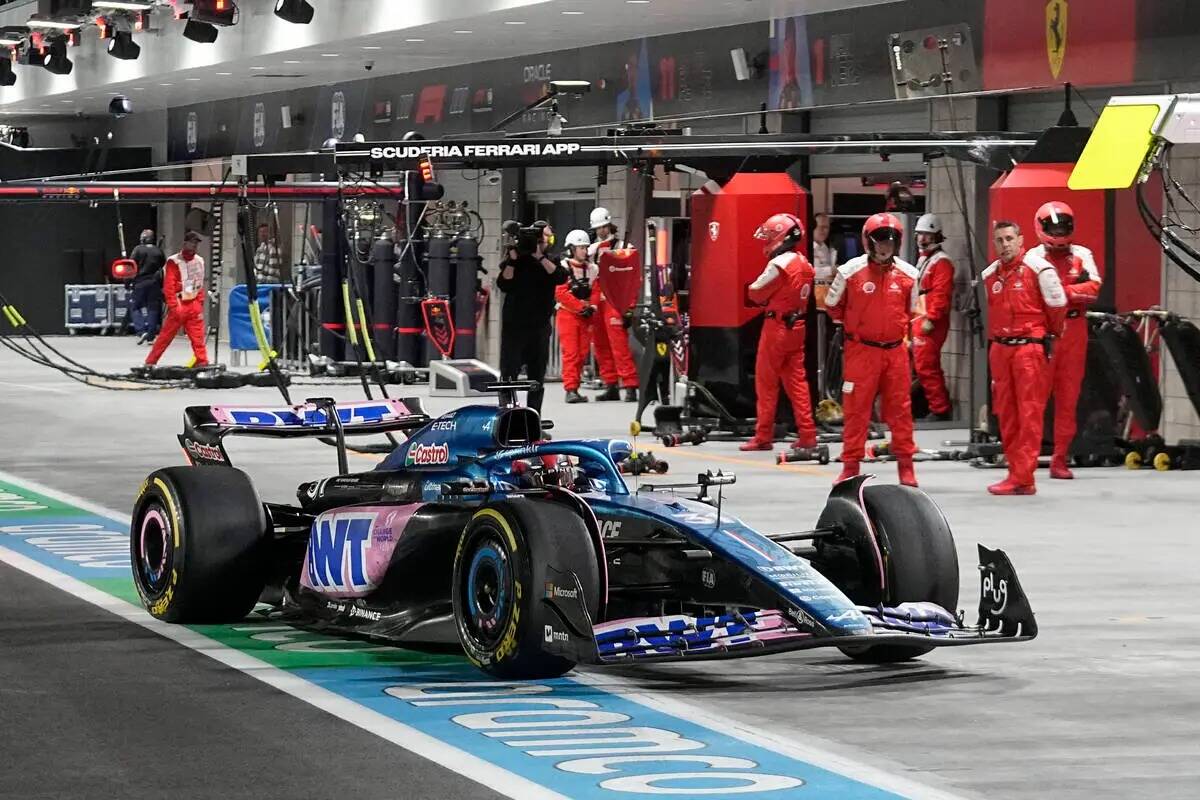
[{"x": 479, "y": 150}]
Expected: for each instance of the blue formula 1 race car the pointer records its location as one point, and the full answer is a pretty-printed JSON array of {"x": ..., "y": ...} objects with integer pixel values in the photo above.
[{"x": 533, "y": 556}]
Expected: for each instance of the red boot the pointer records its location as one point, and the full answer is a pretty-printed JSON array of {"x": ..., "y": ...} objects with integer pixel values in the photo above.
[
  {"x": 1059, "y": 469},
  {"x": 756, "y": 444},
  {"x": 908, "y": 475},
  {"x": 1009, "y": 487},
  {"x": 849, "y": 470}
]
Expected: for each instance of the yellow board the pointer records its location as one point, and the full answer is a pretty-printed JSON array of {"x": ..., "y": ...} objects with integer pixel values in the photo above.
[{"x": 1118, "y": 147}]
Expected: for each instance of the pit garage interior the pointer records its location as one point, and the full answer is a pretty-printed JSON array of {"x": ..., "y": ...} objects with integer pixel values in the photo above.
[{"x": 851, "y": 104}]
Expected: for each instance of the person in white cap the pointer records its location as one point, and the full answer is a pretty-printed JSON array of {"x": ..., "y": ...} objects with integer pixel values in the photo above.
[
  {"x": 929, "y": 331},
  {"x": 612, "y": 342},
  {"x": 578, "y": 301}
]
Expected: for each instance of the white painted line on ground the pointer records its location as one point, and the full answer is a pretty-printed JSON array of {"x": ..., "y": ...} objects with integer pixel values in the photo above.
[
  {"x": 30, "y": 387},
  {"x": 814, "y": 751},
  {"x": 412, "y": 739}
]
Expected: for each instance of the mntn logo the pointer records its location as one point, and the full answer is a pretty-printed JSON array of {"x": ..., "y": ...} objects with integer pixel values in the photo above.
[{"x": 337, "y": 552}]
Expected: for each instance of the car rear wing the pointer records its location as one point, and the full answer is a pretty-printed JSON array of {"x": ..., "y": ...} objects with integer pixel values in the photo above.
[{"x": 205, "y": 427}]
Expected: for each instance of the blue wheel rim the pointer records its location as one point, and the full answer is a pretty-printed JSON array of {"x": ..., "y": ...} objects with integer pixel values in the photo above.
[{"x": 488, "y": 591}]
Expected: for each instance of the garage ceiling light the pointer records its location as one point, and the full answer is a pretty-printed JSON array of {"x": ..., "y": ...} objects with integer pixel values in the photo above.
[
  {"x": 56, "y": 24},
  {"x": 56, "y": 58},
  {"x": 200, "y": 32},
  {"x": 13, "y": 35},
  {"x": 122, "y": 46},
  {"x": 215, "y": 12},
  {"x": 299, "y": 12}
]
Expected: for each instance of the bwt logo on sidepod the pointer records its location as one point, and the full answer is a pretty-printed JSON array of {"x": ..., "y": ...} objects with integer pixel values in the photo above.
[
  {"x": 337, "y": 552},
  {"x": 427, "y": 455}
]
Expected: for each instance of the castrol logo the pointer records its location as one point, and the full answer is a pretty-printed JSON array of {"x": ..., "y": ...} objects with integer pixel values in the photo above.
[{"x": 424, "y": 455}]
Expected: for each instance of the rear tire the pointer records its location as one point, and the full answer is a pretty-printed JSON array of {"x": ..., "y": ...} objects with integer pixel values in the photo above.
[
  {"x": 501, "y": 554},
  {"x": 919, "y": 554},
  {"x": 196, "y": 544}
]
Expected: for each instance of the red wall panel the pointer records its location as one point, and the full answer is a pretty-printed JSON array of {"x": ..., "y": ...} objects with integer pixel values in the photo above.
[{"x": 1099, "y": 44}]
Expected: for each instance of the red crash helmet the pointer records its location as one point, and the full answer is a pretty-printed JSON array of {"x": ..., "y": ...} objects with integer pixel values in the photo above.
[
  {"x": 882, "y": 228},
  {"x": 1055, "y": 222},
  {"x": 780, "y": 233}
]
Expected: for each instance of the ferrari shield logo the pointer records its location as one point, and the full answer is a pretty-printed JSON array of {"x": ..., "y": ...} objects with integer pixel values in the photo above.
[
  {"x": 439, "y": 325},
  {"x": 1056, "y": 34},
  {"x": 714, "y": 230}
]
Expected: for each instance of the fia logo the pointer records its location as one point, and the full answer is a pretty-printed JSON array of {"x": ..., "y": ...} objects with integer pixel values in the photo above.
[
  {"x": 610, "y": 529},
  {"x": 708, "y": 577},
  {"x": 1056, "y": 34},
  {"x": 714, "y": 230}
]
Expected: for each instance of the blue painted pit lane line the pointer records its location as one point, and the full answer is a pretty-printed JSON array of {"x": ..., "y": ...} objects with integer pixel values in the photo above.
[{"x": 592, "y": 735}]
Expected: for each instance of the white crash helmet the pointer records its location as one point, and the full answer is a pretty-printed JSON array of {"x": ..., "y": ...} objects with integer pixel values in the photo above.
[
  {"x": 929, "y": 223},
  {"x": 578, "y": 238},
  {"x": 600, "y": 218}
]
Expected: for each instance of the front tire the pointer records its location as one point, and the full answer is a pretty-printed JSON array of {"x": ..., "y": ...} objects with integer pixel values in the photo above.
[
  {"x": 196, "y": 544},
  {"x": 498, "y": 570},
  {"x": 920, "y": 558}
]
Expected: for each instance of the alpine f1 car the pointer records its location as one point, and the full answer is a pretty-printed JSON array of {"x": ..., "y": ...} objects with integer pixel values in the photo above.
[{"x": 532, "y": 556}]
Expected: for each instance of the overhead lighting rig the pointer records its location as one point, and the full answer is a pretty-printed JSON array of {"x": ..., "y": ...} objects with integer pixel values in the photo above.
[
  {"x": 206, "y": 17},
  {"x": 122, "y": 46},
  {"x": 57, "y": 60},
  {"x": 299, "y": 12}
]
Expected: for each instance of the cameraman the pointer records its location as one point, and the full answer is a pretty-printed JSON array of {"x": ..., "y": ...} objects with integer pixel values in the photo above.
[{"x": 527, "y": 279}]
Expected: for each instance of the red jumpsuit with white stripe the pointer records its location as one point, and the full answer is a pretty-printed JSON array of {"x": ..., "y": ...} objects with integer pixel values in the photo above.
[
  {"x": 575, "y": 331},
  {"x": 784, "y": 287},
  {"x": 613, "y": 346},
  {"x": 1026, "y": 304},
  {"x": 1081, "y": 280},
  {"x": 182, "y": 279},
  {"x": 937, "y": 287},
  {"x": 875, "y": 303}
]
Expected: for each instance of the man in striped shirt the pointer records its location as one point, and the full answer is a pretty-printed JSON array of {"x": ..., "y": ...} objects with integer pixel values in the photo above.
[{"x": 268, "y": 266}]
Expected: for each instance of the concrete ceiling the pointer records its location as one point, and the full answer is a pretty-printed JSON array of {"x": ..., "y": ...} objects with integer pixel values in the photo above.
[{"x": 264, "y": 54}]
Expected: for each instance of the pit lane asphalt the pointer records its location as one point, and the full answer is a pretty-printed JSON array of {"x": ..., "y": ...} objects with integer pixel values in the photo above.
[
  {"x": 92, "y": 706},
  {"x": 1102, "y": 705}
]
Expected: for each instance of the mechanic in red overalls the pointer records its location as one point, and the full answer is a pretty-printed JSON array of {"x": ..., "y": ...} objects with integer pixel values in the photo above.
[
  {"x": 578, "y": 300},
  {"x": 183, "y": 292},
  {"x": 929, "y": 331},
  {"x": 1081, "y": 280},
  {"x": 1026, "y": 308},
  {"x": 875, "y": 296},
  {"x": 614, "y": 344},
  {"x": 784, "y": 287}
]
